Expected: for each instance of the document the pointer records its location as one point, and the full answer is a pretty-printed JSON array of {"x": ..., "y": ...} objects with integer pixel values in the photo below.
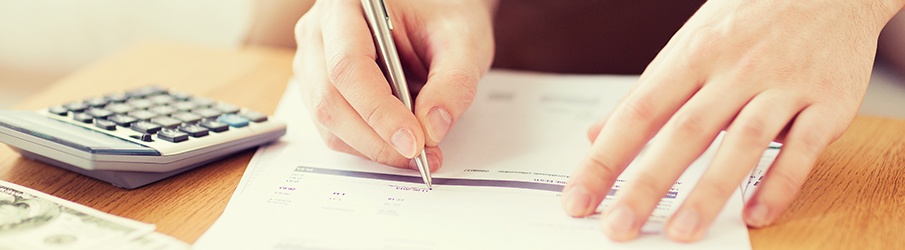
[{"x": 505, "y": 162}]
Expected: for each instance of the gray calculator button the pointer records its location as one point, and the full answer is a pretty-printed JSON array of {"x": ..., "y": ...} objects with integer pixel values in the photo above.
[
  {"x": 166, "y": 122},
  {"x": 207, "y": 112},
  {"x": 122, "y": 120},
  {"x": 203, "y": 102},
  {"x": 99, "y": 113},
  {"x": 215, "y": 126},
  {"x": 184, "y": 106},
  {"x": 58, "y": 110},
  {"x": 253, "y": 116},
  {"x": 105, "y": 124},
  {"x": 119, "y": 108},
  {"x": 97, "y": 102},
  {"x": 161, "y": 99},
  {"x": 194, "y": 130},
  {"x": 172, "y": 135},
  {"x": 140, "y": 103},
  {"x": 146, "y": 127},
  {"x": 180, "y": 96},
  {"x": 117, "y": 98},
  {"x": 143, "y": 115},
  {"x": 186, "y": 117},
  {"x": 163, "y": 110},
  {"x": 146, "y": 91},
  {"x": 76, "y": 106},
  {"x": 82, "y": 117},
  {"x": 227, "y": 108}
]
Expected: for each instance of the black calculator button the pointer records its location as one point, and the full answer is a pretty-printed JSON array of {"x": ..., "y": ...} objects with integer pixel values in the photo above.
[
  {"x": 61, "y": 111},
  {"x": 234, "y": 120},
  {"x": 99, "y": 113},
  {"x": 105, "y": 124},
  {"x": 122, "y": 120},
  {"x": 140, "y": 103},
  {"x": 215, "y": 126},
  {"x": 227, "y": 108},
  {"x": 146, "y": 127},
  {"x": 208, "y": 113},
  {"x": 97, "y": 102},
  {"x": 194, "y": 130},
  {"x": 143, "y": 115},
  {"x": 253, "y": 116},
  {"x": 82, "y": 117},
  {"x": 144, "y": 137},
  {"x": 76, "y": 106},
  {"x": 119, "y": 108},
  {"x": 117, "y": 98},
  {"x": 187, "y": 117},
  {"x": 166, "y": 122},
  {"x": 172, "y": 135}
]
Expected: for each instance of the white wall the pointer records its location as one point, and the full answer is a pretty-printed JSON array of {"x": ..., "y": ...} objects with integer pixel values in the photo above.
[{"x": 41, "y": 40}]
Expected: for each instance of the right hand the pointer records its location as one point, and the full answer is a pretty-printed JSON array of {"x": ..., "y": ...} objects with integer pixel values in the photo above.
[{"x": 445, "y": 47}]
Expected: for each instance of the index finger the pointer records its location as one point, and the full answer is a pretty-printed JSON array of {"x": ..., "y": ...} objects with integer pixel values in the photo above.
[{"x": 351, "y": 62}]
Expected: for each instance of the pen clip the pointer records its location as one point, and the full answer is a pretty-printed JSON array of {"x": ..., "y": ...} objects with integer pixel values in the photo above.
[{"x": 386, "y": 14}]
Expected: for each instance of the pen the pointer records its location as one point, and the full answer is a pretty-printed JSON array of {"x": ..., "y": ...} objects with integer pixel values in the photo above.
[{"x": 379, "y": 20}]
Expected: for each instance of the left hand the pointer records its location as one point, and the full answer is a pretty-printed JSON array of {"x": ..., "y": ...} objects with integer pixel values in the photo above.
[{"x": 792, "y": 71}]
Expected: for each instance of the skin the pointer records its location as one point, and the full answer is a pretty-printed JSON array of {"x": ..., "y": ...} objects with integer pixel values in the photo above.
[{"x": 789, "y": 71}]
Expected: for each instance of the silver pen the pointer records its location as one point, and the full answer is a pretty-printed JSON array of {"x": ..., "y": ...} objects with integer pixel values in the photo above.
[{"x": 379, "y": 20}]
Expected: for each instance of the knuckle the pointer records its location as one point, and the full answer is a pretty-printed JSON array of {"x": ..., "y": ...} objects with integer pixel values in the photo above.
[
  {"x": 786, "y": 182},
  {"x": 637, "y": 110},
  {"x": 753, "y": 130},
  {"x": 690, "y": 124},
  {"x": 715, "y": 189},
  {"x": 334, "y": 143},
  {"x": 383, "y": 153},
  {"x": 812, "y": 142},
  {"x": 342, "y": 64},
  {"x": 602, "y": 168},
  {"x": 376, "y": 114},
  {"x": 645, "y": 185},
  {"x": 323, "y": 107},
  {"x": 463, "y": 82}
]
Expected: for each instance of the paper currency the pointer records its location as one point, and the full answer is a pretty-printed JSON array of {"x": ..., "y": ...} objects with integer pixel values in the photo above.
[
  {"x": 33, "y": 220},
  {"x": 155, "y": 241}
]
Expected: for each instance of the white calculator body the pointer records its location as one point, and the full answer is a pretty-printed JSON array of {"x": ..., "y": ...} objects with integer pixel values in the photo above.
[{"x": 137, "y": 137}]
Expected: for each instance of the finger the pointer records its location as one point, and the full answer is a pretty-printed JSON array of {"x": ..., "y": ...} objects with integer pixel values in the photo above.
[
  {"x": 342, "y": 129},
  {"x": 458, "y": 60},
  {"x": 810, "y": 134},
  {"x": 625, "y": 132},
  {"x": 747, "y": 137},
  {"x": 351, "y": 65},
  {"x": 594, "y": 130},
  {"x": 681, "y": 141}
]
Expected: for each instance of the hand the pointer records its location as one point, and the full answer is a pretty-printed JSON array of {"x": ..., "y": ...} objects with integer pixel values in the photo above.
[
  {"x": 445, "y": 47},
  {"x": 793, "y": 71}
]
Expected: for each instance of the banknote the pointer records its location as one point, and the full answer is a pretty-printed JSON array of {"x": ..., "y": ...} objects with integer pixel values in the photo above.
[
  {"x": 33, "y": 220},
  {"x": 154, "y": 241}
]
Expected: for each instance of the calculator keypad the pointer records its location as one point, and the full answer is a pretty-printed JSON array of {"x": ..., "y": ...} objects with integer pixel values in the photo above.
[{"x": 155, "y": 113}]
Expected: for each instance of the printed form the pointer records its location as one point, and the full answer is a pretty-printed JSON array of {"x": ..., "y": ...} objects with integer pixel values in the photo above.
[{"x": 505, "y": 162}]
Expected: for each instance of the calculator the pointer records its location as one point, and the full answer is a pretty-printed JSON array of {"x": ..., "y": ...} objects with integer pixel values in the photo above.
[{"x": 136, "y": 137}]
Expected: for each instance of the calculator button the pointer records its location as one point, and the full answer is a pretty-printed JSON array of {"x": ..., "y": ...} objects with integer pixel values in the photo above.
[
  {"x": 208, "y": 113},
  {"x": 122, "y": 120},
  {"x": 194, "y": 130},
  {"x": 187, "y": 117},
  {"x": 61, "y": 111},
  {"x": 144, "y": 137},
  {"x": 161, "y": 99},
  {"x": 202, "y": 102},
  {"x": 234, "y": 120},
  {"x": 180, "y": 96},
  {"x": 146, "y": 91},
  {"x": 253, "y": 116},
  {"x": 143, "y": 115},
  {"x": 97, "y": 102},
  {"x": 163, "y": 110},
  {"x": 215, "y": 126},
  {"x": 140, "y": 103},
  {"x": 76, "y": 106},
  {"x": 82, "y": 117},
  {"x": 105, "y": 124},
  {"x": 146, "y": 127},
  {"x": 184, "y": 106},
  {"x": 119, "y": 108},
  {"x": 117, "y": 98},
  {"x": 99, "y": 113},
  {"x": 172, "y": 135},
  {"x": 166, "y": 122},
  {"x": 227, "y": 108}
]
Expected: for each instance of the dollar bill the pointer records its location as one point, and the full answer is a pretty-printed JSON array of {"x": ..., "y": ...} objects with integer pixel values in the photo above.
[{"x": 33, "y": 220}]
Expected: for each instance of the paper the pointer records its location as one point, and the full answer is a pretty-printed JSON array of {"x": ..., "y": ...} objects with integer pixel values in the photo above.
[{"x": 506, "y": 160}]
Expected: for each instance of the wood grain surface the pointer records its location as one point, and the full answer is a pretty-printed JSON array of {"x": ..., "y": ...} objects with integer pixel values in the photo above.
[{"x": 853, "y": 199}]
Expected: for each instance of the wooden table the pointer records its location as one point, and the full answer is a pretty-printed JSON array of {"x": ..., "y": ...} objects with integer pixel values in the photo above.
[{"x": 854, "y": 198}]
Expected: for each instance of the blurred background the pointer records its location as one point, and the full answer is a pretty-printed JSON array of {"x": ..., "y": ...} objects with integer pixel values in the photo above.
[{"x": 44, "y": 40}]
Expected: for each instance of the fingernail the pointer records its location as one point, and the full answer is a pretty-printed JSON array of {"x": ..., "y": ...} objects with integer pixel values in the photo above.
[
  {"x": 757, "y": 217},
  {"x": 684, "y": 224},
  {"x": 404, "y": 142},
  {"x": 576, "y": 200},
  {"x": 619, "y": 222},
  {"x": 438, "y": 122}
]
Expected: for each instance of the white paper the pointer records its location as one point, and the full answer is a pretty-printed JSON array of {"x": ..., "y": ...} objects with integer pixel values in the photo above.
[{"x": 505, "y": 161}]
